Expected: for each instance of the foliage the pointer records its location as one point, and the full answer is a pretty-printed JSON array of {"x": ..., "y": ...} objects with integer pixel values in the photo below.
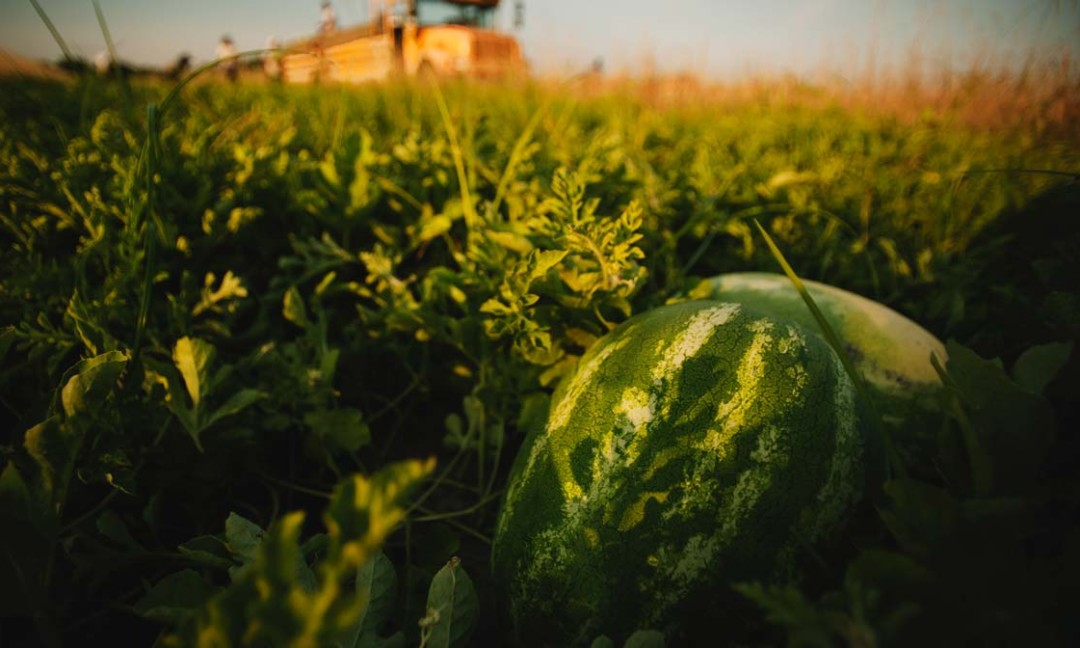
[
  {"x": 238, "y": 308},
  {"x": 961, "y": 561}
]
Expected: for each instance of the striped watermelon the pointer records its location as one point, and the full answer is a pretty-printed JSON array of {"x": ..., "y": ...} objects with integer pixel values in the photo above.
[
  {"x": 890, "y": 352},
  {"x": 696, "y": 445}
]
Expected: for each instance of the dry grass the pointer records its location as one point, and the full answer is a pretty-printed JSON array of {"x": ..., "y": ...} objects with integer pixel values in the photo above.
[
  {"x": 1041, "y": 96},
  {"x": 15, "y": 66}
]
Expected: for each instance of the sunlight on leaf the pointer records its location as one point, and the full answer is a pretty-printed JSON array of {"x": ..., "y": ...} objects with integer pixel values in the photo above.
[{"x": 193, "y": 358}]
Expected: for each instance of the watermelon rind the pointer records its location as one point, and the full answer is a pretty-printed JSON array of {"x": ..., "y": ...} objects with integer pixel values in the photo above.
[
  {"x": 890, "y": 352},
  {"x": 697, "y": 445}
]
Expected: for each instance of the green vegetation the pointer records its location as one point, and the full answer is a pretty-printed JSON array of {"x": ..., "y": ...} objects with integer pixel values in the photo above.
[{"x": 234, "y": 327}]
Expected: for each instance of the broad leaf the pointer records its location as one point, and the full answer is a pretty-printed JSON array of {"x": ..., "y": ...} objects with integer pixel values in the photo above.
[
  {"x": 1038, "y": 366},
  {"x": 175, "y": 598},
  {"x": 193, "y": 358},
  {"x": 645, "y": 639},
  {"x": 376, "y": 585},
  {"x": 112, "y": 526},
  {"x": 452, "y": 607},
  {"x": 236, "y": 403},
  {"x": 293, "y": 308},
  {"x": 93, "y": 379},
  {"x": 243, "y": 538},
  {"x": 342, "y": 428},
  {"x": 54, "y": 446},
  {"x": 1014, "y": 426},
  {"x": 208, "y": 550}
]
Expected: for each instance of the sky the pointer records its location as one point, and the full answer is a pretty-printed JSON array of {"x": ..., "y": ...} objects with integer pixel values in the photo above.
[{"x": 713, "y": 38}]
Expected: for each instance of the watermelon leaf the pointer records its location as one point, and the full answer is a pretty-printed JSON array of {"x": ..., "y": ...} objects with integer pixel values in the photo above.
[
  {"x": 646, "y": 639},
  {"x": 452, "y": 608},
  {"x": 193, "y": 358},
  {"x": 175, "y": 598},
  {"x": 1014, "y": 427},
  {"x": 93, "y": 378},
  {"x": 376, "y": 584},
  {"x": 207, "y": 550},
  {"x": 1038, "y": 366}
]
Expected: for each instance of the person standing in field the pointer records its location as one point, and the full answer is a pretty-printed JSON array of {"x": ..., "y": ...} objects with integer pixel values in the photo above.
[
  {"x": 329, "y": 19},
  {"x": 103, "y": 62},
  {"x": 271, "y": 59},
  {"x": 226, "y": 52}
]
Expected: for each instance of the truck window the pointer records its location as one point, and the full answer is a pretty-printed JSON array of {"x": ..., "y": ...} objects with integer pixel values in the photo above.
[{"x": 446, "y": 12}]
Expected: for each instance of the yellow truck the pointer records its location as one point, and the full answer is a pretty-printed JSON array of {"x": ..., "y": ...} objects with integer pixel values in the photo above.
[{"x": 409, "y": 37}]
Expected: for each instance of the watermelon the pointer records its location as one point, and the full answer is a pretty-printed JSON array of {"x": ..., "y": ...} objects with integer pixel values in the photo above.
[
  {"x": 889, "y": 351},
  {"x": 696, "y": 445}
]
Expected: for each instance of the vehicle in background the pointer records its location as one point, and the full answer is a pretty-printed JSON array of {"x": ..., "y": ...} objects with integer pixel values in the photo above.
[{"x": 410, "y": 37}]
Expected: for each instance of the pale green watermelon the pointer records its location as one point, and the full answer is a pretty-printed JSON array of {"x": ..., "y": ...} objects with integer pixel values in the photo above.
[
  {"x": 696, "y": 445},
  {"x": 890, "y": 352}
]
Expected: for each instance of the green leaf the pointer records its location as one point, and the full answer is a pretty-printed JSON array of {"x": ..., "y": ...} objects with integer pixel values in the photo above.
[
  {"x": 645, "y": 639},
  {"x": 786, "y": 606},
  {"x": 452, "y": 607},
  {"x": 175, "y": 598},
  {"x": 888, "y": 570},
  {"x": 53, "y": 447},
  {"x": 231, "y": 287},
  {"x": 362, "y": 512},
  {"x": 510, "y": 240},
  {"x": 343, "y": 428},
  {"x": 434, "y": 227},
  {"x": 110, "y": 525},
  {"x": 193, "y": 358},
  {"x": 1038, "y": 366},
  {"x": 923, "y": 518},
  {"x": 541, "y": 262},
  {"x": 243, "y": 538},
  {"x": 93, "y": 378},
  {"x": 376, "y": 584},
  {"x": 603, "y": 641},
  {"x": 276, "y": 599},
  {"x": 236, "y": 403},
  {"x": 293, "y": 308},
  {"x": 1013, "y": 426},
  {"x": 208, "y": 550}
]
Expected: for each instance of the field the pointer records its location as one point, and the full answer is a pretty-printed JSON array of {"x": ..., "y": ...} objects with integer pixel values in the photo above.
[{"x": 231, "y": 315}]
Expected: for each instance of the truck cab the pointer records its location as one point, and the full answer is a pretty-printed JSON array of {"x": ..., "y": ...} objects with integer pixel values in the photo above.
[{"x": 410, "y": 37}]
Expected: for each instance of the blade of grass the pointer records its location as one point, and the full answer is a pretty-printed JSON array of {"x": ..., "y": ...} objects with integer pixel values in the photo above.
[
  {"x": 52, "y": 30},
  {"x": 459, "y": 164},
  {"x": 1055, "y": 172},
  {"x": 893, "y": 459},
  {"x": 982, "y": 474},
  {"x": 113, "y": 56},
  {"x": 150, "y": 160},
  {"x": 109, "y": 44},
  {"x": 516, "y": 153}
]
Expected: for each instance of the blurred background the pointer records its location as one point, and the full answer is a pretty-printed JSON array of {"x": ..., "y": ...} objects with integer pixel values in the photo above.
[{"x": 728, "y": 41}]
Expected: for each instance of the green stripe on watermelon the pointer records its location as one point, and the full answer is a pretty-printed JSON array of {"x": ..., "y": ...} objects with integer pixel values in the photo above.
[
  {"x": 890, "y": 352},
  {"x": 696, "y": 445}
]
